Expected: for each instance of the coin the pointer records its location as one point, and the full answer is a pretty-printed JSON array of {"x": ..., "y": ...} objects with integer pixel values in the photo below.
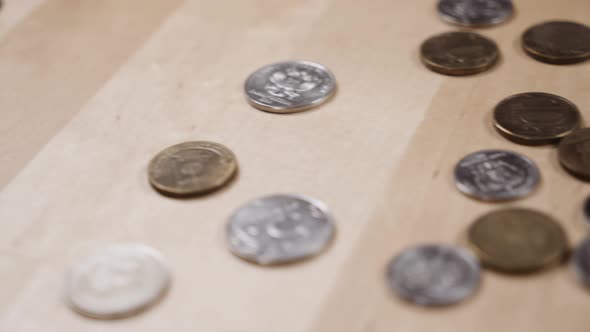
[
  {"x": 192, "y": 168},
  {"x": 119, "y": 281},
  {"x": 496, "y": 175},
  {"x": 289, "y": 87},
  {"x": 574, "y": 152},
  {"x": 280, "y": 229},
  {"x": 587, "y": 210},
  {"x": 459, "y": 53},
  {"x": 580, "y": 262},
  {"x": 558, "y": 42},
  {"x": 475, "y": 13},
  {"x": 434, "y": 275},
  {"x": 536, "y": 118},
  {"x": 517, "y": 240}
]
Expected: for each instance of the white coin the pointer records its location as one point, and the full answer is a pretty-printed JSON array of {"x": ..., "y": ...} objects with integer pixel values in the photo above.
[{"x": 119, "y": 281}]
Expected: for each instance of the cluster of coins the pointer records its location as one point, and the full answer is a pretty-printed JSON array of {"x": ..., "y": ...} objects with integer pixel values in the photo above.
[
  {"x": 509, "y": 240},
  {"x": 125, "y": 279}
]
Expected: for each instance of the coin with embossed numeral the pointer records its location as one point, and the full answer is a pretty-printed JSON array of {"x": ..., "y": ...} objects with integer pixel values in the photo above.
[
  {"x": 459, "y": 53},
  {"x": 496, "y": 175},
  {"x": 574, "y": 153},
  {"x": 119, "y": 281},
  {"x": 536, "y": 118},
  {"x": 192, "y": 168},
  {"x": 517, "y": 240},
  {"x": 434, "y": 275},
  {"x": 558, "y": 42},
  {"x": 475, "y": 12},
  {"x": 289, "y": 87},
  {"x": 580, "y": 262},
  {"x": 280, "y": 229}
]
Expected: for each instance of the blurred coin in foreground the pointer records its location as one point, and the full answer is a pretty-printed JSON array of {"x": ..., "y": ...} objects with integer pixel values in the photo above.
[
  {"x": 280, "y": 229},
  {"x": 517, "y": 240},
  {"x": 574, "y": 153},
  {"x": 119, "y": 281},
  {"x": 558, "y": 42},
  {"x": 434, "y": 275},
  {"x": 475, "y": 13},
  {"x": 580, "y": 262}
]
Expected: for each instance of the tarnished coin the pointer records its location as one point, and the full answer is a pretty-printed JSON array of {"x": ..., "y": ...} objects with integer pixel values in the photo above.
[
  {"x": 289, "y": 87},
  {"x": 558, "y": 42},
  {"x": 117, "y": 282},
  {"x": 459, "y": 53},
  {"x": 192, "y": 168},
  {"x": 536, "y": 118},
  {"x": 280, "y": 229},
  {"x": 574, "y": 153},
  {"x": 496, "y": 175},
  {"x": 517, "y": 240},
  {"x": 580, "y": 262},
  {"x": 475, "y": 13},
  {"x": 434, "y": 275}
]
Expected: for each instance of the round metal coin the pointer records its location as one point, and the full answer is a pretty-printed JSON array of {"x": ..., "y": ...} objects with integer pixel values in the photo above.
[
  {"x": 496, "y": 175},
  {"x": 434, "y": 275},
  {"x": 280, "y": 229},
  {"x": 536, "y": 118},
  {"x": 574, "y": 152},
  {"x": 117, "y": 282},
  {"x": 517, "y": 240},
  {"x": 475, "y": 13},
  {"x": 192, "y": 168},
  {"x": 558, "y": 42},
  {"x": 580, "y": 262},
  {"x": 459, "y": 53},
  {"x": 289, "y": 87}
]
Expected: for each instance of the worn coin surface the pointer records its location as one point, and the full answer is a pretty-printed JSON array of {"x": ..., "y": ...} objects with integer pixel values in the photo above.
[
  {"x": 496, "y": 175},
  {"x": 475, "y": 13},
  {"x": 580, "y": 262},
  {"x": 574, "y": 152},
  {"x": 517, "y": 240},
  {"x": 192, "y": 168},
  {"x": 558, "y": 42},
  {"x": 434, "y": 275},
  {"x": 280, "y": 229},
  {"x": 288, "y": 87},
  {"x": 459, "y": 53},
  {"x": 536, "y": 118},
  {"x": 117, "y": 282}
]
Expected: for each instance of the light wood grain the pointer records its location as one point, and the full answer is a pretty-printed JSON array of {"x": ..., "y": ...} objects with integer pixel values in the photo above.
[{"x": 126, "y": 78}]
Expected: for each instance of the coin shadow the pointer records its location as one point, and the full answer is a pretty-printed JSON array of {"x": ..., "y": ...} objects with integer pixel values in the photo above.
[{"x": 212, "y": 192}]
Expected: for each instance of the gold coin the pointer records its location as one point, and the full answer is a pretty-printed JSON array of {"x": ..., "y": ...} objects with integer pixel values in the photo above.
[
  {"x": 517, "y": 240},
  {"x": 192, "y": 168}
]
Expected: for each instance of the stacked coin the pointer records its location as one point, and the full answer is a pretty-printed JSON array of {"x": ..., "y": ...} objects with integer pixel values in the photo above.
[{"x": 558, "y": 42}]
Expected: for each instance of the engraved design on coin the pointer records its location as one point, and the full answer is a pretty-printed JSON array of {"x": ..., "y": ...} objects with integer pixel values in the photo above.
[
  {"x": 475, "y": 12},
  {"x": 289, "y": 87},
  {"x": 580, "y": 262},
  {"x": 280, "y": 229},
  {"x": 536, "y": 117},
  {"x": 574, "y": 153},
  {"x": 119, "y": 281},
  {"x": 434, "y": 275},
  {"x": 192, "y": 168},
  {"x": 496, "y": 175},
  {"x": 558, "y": 42}
]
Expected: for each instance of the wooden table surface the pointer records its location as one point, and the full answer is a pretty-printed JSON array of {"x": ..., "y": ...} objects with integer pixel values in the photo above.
[{"x": 93, "y": 89}]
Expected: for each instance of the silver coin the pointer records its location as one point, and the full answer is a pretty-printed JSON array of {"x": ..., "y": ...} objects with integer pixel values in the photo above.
[
  {"x": 280, "y": 229},
  {"x": 117, "y": 282},
  {"x": 434, "y": 275},
  {"x": 580, "y": 262},
  {"x": 475, "y": 12},
  {"x": 289, "y": 87},
  {"x": 496, "y": 175}
]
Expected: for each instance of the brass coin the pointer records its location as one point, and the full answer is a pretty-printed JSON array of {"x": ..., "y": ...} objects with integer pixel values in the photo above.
[
  {"x": 558, "y": 42},
  {"x": 459, "y": 53},
  {"x": 574, "y": 152},
  {"x": 517, "y": 240},
  {"x": 192, "y": 168},
  {"x": 536, "y": 118}
]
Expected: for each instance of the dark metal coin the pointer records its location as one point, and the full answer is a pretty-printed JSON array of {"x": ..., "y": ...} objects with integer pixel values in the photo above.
[
  {"x": 536, "y": 118},
  {"x": 475, "y": 13},
  {"x": 580, "y": 262},
  {"x": 459, "y": 53},
  {"x": 574, "y": 152},
  {"x": 558, "y": 42}
]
